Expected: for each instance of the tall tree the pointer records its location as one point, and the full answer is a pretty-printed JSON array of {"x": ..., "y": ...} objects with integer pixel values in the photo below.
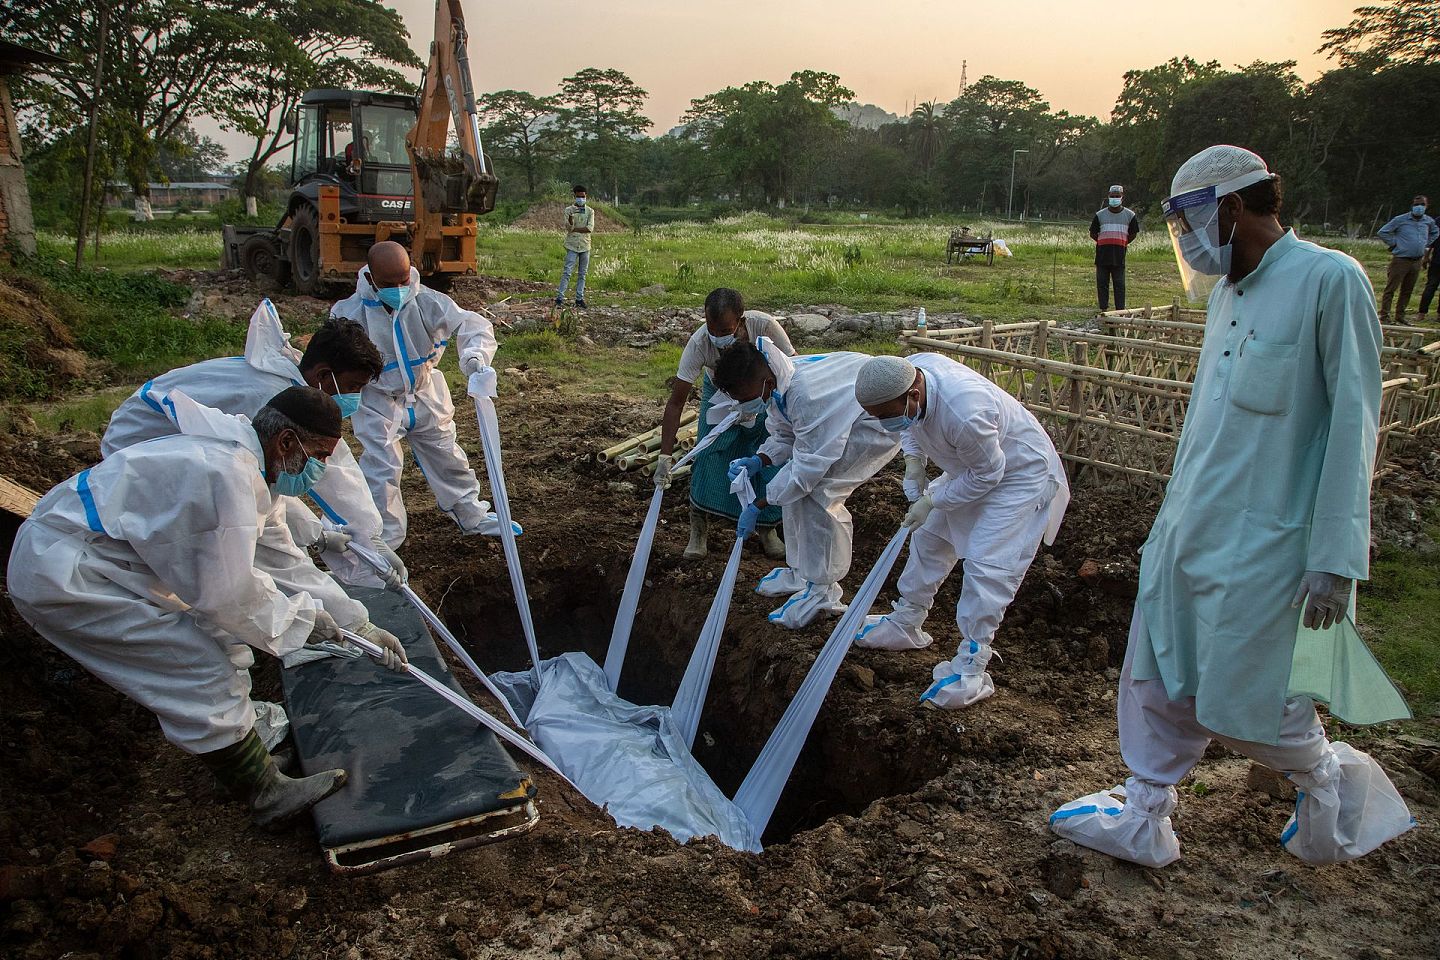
[
  {"x": 1402, "y": 32},
  {"x": 603, "y": 109},
  {"x": 298, "y": 44},
  {"x": 525, "y": 129},
  {"x": 165, "y": 62}
]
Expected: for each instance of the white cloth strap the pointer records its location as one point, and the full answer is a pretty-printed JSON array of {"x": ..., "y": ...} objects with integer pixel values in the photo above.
[{"x": 763, "y": 785}]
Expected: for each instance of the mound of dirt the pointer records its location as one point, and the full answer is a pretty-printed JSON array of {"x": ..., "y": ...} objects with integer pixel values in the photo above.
[
  {"x": 550, "y": 215},
  {"x": 38, "y": 355}
]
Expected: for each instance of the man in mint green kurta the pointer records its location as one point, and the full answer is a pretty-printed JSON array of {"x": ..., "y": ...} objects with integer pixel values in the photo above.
[{"x": 1267, "y": 511}]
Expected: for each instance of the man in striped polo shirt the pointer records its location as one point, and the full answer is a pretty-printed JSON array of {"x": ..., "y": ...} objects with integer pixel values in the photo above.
[{"x": 1112, "y": 228}]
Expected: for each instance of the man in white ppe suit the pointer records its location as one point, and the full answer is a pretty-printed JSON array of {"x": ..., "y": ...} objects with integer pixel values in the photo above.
[
  {"x": 162, "y": 567},
  {"x": 412, "y": 325},
  {"x": 1002, "y": 492},
  {"x": 825, "y": 446},
  {"x": 1267, "y": 511},
  {"x": 339, "y": 361}
]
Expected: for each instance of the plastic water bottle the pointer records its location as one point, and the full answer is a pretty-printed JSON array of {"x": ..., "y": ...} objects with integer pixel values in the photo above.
[{"x": 920, "y": 323}]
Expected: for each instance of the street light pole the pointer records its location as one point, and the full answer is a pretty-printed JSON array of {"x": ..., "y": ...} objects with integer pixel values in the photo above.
[{"x": 1010, "y": 204}]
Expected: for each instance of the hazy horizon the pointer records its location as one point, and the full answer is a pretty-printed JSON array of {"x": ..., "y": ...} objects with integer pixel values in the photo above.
[{"x": 913, "y": 52}]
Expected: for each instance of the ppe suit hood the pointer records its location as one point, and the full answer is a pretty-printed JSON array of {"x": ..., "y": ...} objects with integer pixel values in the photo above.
[
  {"x": 197, "y": 420},
  {"x": 267, "y": 345},
  {"x": 783, "y": 368},
  {"x": 366, "y": 293}
]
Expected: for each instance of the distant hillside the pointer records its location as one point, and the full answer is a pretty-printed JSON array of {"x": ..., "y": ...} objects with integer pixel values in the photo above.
[{"x": 866, "y": 116}]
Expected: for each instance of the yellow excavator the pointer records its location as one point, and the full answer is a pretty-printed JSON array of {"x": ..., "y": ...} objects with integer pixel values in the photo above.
[{"x": 368, "y": 166}]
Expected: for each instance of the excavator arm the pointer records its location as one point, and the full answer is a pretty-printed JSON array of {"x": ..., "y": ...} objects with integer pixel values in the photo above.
[{"x": 446, "y": 184}]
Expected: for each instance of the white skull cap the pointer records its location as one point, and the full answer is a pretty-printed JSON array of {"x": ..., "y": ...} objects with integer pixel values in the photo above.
[
  {"x": 882, "y": 379},
  {"x": 1215, "y": 165}
]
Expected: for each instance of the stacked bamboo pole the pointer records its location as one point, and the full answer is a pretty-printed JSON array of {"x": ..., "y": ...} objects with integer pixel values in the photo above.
[{"x": 639, "y": 453}]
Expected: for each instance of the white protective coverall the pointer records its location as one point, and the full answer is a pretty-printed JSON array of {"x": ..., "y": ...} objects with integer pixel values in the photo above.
[
  {"x": 1271, "y": 479},
  {"x": 240, "y": 386},
  {"x": 826, "y": 446},
  {"x": 1002, "y": 492},
  {"x": 159, "y": 569},
  {"x": 411, "y": 400}
]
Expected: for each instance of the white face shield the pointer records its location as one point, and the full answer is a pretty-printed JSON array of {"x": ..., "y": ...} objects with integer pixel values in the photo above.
[{"x": 1193, "y": 219}]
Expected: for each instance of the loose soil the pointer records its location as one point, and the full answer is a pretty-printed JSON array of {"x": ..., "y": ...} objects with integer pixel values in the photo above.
[{"x": 904, "y": 833}]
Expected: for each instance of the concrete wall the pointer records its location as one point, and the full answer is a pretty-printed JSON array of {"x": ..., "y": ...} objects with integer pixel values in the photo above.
[{"x": 17, "y": 227}]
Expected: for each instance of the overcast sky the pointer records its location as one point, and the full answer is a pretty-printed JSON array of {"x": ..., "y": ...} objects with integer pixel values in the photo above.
[{"x": 890, "y": 52}]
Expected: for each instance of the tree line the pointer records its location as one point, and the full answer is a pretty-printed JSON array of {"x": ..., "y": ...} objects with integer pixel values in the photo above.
[{"x": 1353, "y": 144}]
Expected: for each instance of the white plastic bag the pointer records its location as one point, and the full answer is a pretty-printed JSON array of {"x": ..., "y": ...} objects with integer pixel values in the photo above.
[
  {"x": 1345, "y": 808},
  {"x": 1129, "y": 823}
]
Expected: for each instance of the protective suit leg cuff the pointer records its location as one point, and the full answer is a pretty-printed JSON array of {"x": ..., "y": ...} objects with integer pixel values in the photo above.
[
  {"x": 809, "y": 604},
  {"x": 952, "y": 691},
  {"x": 1129, "y": 823},
  {"x": 780, "y": 582},
  {"x": 488, "y": 526},
  {"x": 1345, "y": 807}
]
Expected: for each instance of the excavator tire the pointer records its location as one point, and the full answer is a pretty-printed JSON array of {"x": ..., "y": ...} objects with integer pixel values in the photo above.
[
  {"x": 259, "y": 257},
  {"x": 305, "y": 250}
]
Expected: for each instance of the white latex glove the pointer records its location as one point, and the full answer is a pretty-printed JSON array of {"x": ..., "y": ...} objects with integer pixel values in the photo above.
[
  {"x": 326, "y": 630},
  {"x": 397, "y": 576},
  {"x": 329, "y": 540},
  {"x": 918, "y": 511},
  {"x": 482, "y": 383},
  {"x": 394, "y": 658},
  {"x": 664, "y": 463},
  {"x": 1326, "y": 598},
  {"x": 914, "y": 477}
]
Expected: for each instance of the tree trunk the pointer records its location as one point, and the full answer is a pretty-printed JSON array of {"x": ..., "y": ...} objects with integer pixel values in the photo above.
[
  {"x": 143, "y": 211},
  {"x": 252, "y": 176}
]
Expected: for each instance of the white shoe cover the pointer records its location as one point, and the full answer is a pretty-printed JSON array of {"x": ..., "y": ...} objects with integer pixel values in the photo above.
[
  {"x": 808, "y": 605},
  {"x": 897, "y": 630},
  {"x": 490, "y": 527},
  {"x": 963, "y": 680},
  {"x": 1129, "y": 823},
  {"x": 780, "y": 582},
  {"x": 1346, "y": 807}
]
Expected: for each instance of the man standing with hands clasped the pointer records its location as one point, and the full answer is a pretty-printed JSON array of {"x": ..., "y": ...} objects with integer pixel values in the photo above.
[
  {"x": 1112, "y": 228},
  {"x": 1407, "y": 236},
  {"x": 579, "y": 225}
]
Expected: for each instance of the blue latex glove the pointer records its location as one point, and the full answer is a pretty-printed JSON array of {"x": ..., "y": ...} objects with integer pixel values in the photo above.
[
  {"x": 749, "y": 517},
  {"x": 750, "y": 465}
]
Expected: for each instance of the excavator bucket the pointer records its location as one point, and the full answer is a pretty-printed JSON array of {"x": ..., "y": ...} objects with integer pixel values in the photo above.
[{"x": 447, "y": 186}]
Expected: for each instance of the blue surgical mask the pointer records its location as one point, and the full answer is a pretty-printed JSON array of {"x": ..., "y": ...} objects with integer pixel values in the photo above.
[
  {"x": 903, "y": 422},
  {"x": 347, "y": 402},
  {"x": 579, "y": 201},
  {"x": 721, "y": 342},
  {"x": 1417, "y": 210},
  {"x": 394, "y": 297},
  {"x": 1114, "y": 202},
  {"x": 288, "y": 484}
]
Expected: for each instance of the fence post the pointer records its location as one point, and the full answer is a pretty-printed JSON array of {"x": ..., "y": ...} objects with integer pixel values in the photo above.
[
  {"x": 1079, "y": 353},
  {"x": 987, "y": 341},
  {"x": 1040, "y": 346}
]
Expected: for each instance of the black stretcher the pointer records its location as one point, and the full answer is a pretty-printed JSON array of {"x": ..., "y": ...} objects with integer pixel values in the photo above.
[{"x": 425, "y": 779}]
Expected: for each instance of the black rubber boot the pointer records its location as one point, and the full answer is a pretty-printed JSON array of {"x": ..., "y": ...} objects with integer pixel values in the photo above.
[{"x": 249, "y": 773}]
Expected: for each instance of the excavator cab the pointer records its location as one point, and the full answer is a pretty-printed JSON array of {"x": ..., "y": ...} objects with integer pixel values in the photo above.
[
  {"x": 367, "y": 167},
  {"x": 354, "y": 140}
]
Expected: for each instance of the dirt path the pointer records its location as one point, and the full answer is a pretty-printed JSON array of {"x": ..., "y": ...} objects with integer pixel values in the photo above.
[{"x": 905, "y": 833}]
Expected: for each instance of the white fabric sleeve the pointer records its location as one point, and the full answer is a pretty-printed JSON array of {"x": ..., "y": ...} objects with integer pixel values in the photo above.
[
  {"x": 976, "y": 441},
  {"x": 474, "y": 335},
  {"x": 343, "y": 493},
  {"x": 776, "y": 332},
  {"x": 818, "y": 444},
  {"x": 294, "y": 573},
  {"x": 909, "y": 447},
  {"x": 198, "y": 533},
  {"x": 692, "y": 358},
  {"x": 779, "y": 439},
  {"x": 305, "y": 528}
]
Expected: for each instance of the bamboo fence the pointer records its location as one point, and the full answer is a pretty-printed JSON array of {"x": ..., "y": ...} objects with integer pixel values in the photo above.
[
  {"x": 1113, "y": 403},
  {"x": 1411, "y": 353}
]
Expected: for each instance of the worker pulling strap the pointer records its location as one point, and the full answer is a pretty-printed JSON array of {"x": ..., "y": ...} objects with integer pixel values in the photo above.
[
  {"x": 690, "y": 698},
  {"x": 482, "y": 389},
  {"x": 382, "y": 567},
  {"x": 635, "y": 579},
  {"x": 763, "y": 785}
]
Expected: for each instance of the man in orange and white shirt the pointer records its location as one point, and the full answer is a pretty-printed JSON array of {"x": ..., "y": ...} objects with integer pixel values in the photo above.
[{"x": 1112, "y": 228}]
